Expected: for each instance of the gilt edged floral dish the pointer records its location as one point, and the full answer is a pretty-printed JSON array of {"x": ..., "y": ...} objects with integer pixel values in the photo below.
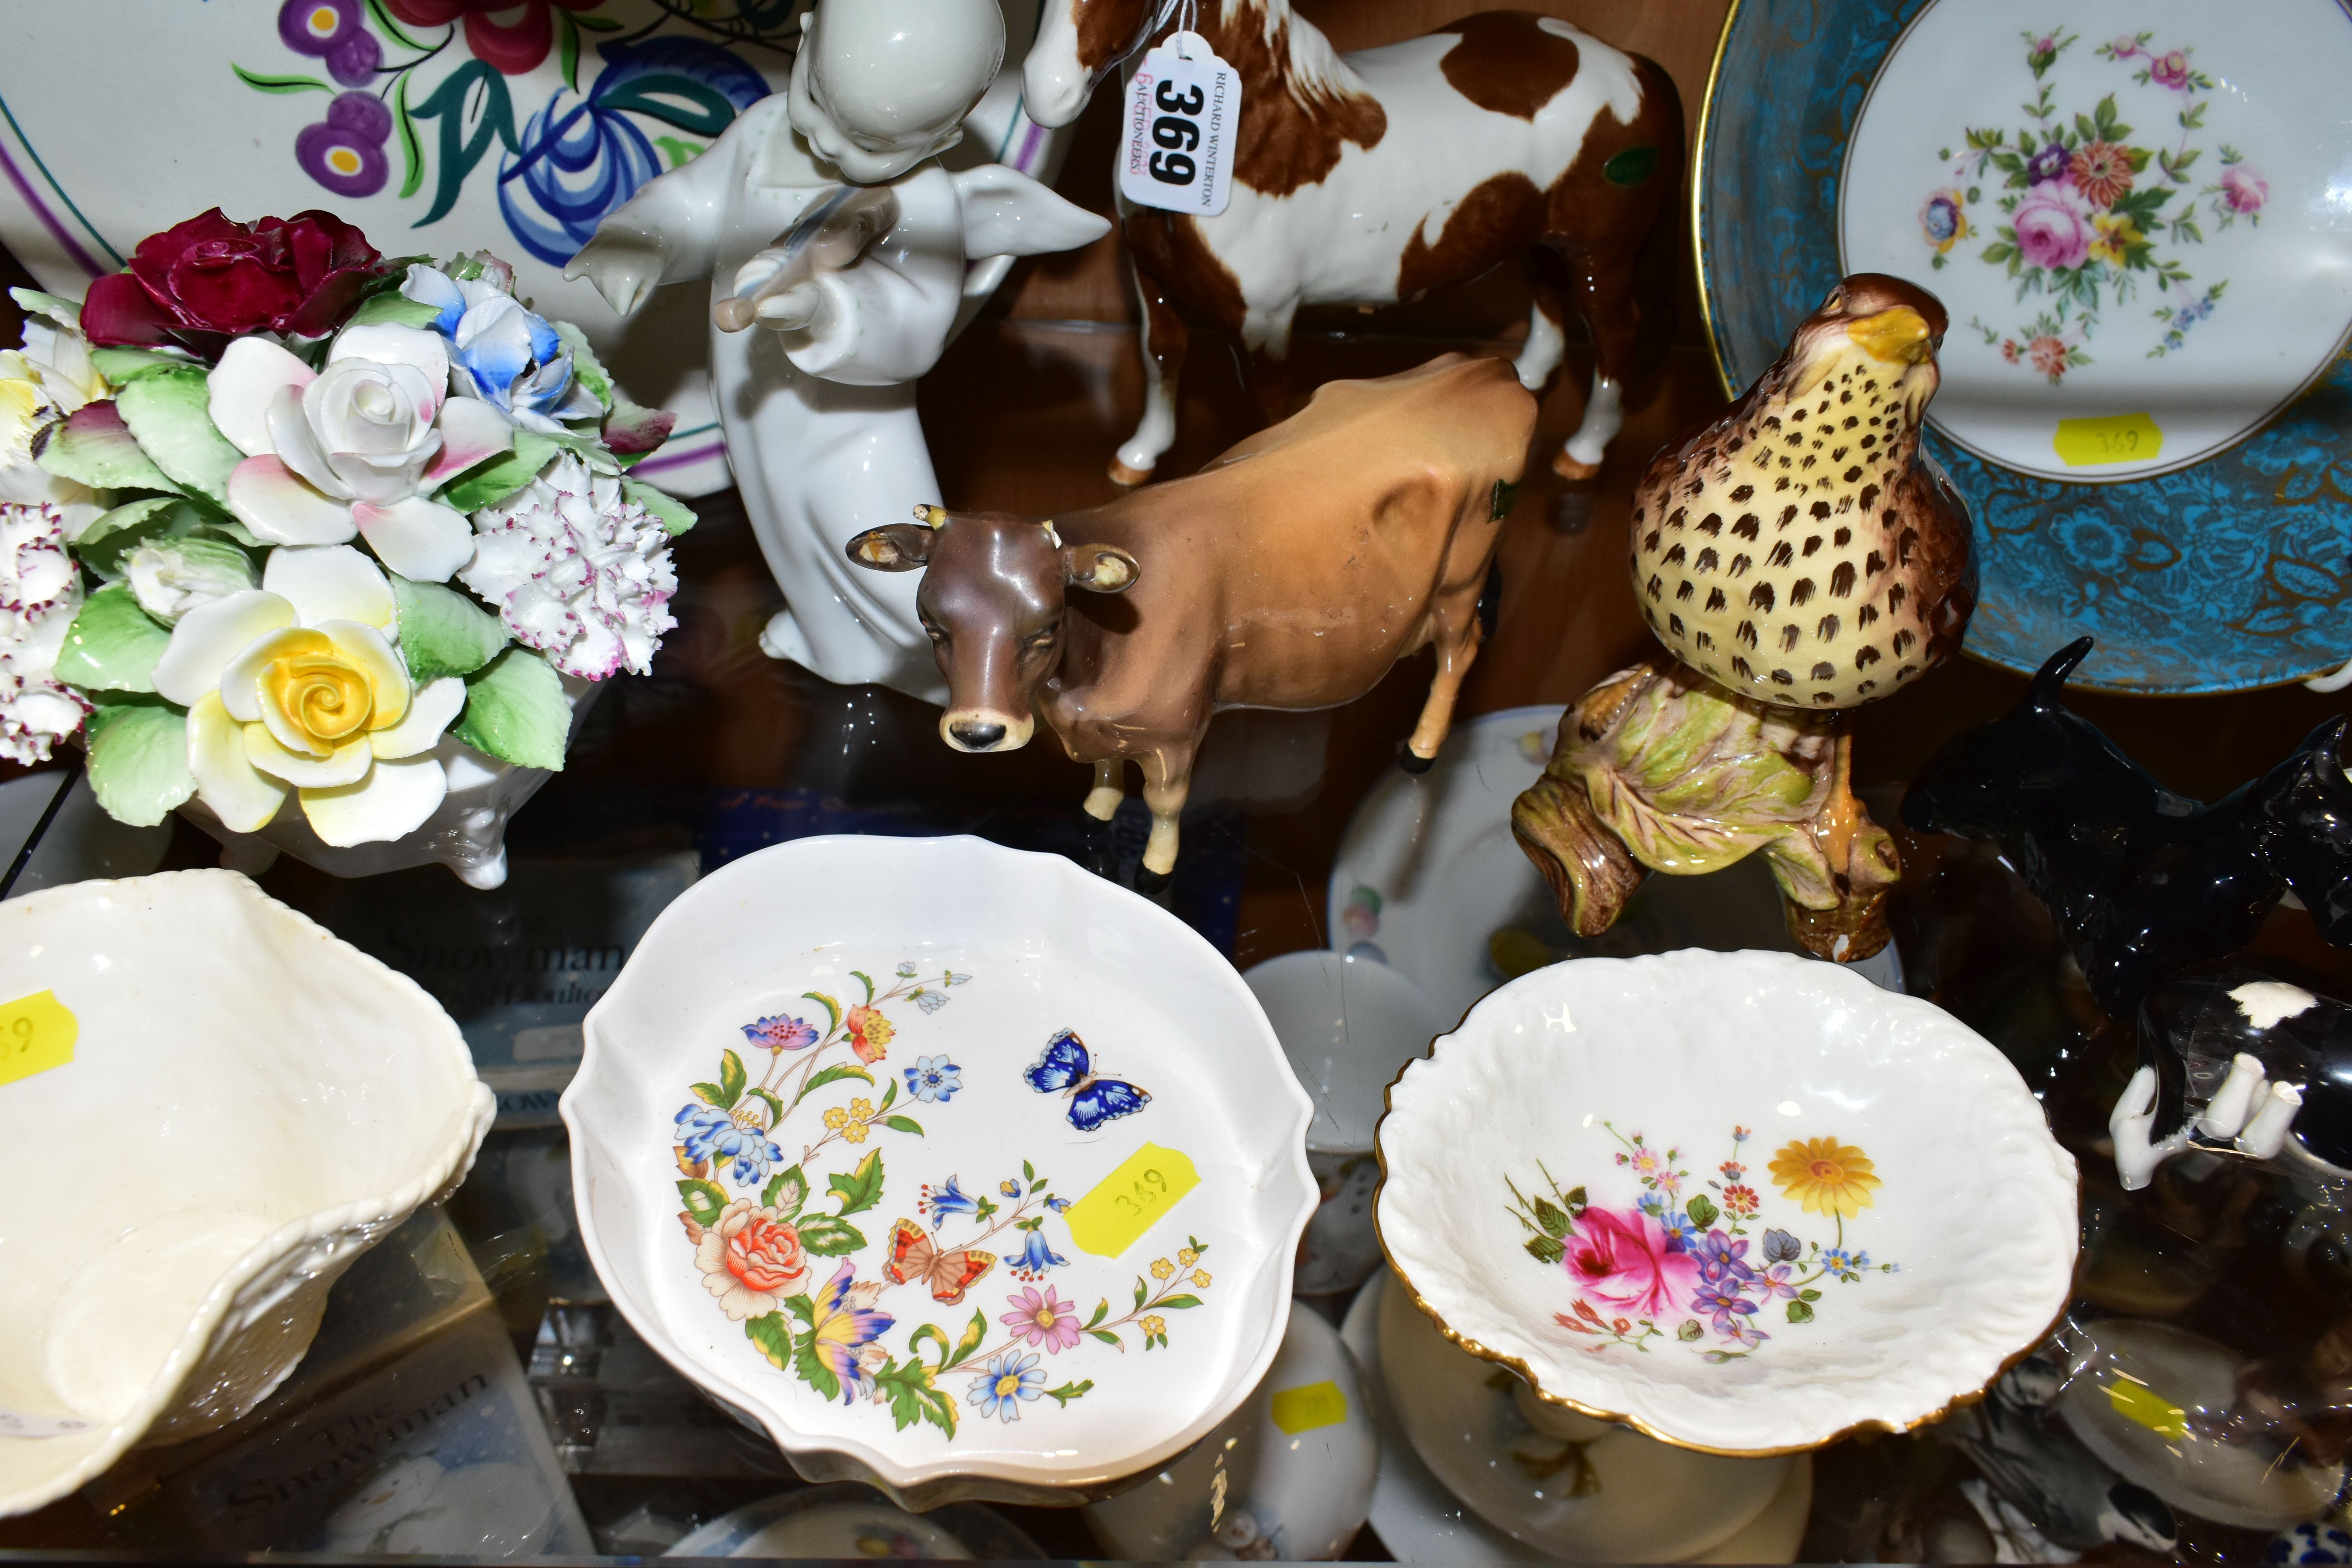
[
  {"x": 1745, "y": 1202},
  {"x": 2134, "y": 215},
  {"x": 957, "y": 1169}
]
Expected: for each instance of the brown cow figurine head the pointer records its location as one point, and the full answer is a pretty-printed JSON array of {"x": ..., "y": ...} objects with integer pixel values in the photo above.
[{"x": 992, "y": 604}]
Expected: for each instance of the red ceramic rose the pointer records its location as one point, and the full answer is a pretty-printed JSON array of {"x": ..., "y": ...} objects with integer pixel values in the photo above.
[
  {"x": 766, "y": 1256},
  {"x": 202, "y": 282},
  {"x": 1618, "y": 1256}
]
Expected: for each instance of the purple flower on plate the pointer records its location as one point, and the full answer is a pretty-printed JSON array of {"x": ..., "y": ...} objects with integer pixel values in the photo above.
[
  {"x": 1724, "y": 1303},
  {"x": 780, "y": 1033},
  {"x": 1720, "y": 1257},
  {"x": 344, "y": 151},
  {"x": 315, "y": 26},
  {"x": 2048, "y": 164}
]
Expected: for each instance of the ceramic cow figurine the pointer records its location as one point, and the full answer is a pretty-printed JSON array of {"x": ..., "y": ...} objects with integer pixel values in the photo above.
[
  {"x": 1373, "y": 177},
  {"x": 854, "y": 288},
  {"x": 1290, "y": 573}
]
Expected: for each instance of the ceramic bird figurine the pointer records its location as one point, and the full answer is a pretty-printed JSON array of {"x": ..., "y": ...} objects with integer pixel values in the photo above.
[{"x": 1801, "y": 549}]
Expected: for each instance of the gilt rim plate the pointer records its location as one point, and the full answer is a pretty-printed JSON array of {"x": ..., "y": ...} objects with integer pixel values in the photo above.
[
  {"x": 1746, "y": 1203},
  {"x": 2231, "y": 574}
]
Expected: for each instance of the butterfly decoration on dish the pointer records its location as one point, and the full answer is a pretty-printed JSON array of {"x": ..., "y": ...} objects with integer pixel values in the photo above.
[
  {"x": 1068, "y": 1067},
  {"x": 915, "y": 1257},
  {"x": 1657, "y": 1269}
]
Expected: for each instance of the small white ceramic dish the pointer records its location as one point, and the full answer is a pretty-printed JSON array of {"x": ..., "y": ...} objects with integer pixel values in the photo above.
[
  {"x": 1746, "y": 1201},
  {"x": 291, "y": 1100},
  {"x": 848, "y": 1522},
  {"x": 1289, "y": 1476},
  {"x": 961, "y": 1171},
  {"x": 1430, "y": 879},
  {"x": 2140, "y": 1404},
  {"x": 1349, "y": 1024},
  {"x": 1420, "y": 1521}
]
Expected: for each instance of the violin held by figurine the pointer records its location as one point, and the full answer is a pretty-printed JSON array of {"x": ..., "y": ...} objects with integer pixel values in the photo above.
[{"x": 1290, "y": 573}]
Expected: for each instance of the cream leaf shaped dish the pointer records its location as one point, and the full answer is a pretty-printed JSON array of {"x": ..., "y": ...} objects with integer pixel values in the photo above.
[
  {"x": 1745, "y": 1202},
  {"x": 957, "y": 1169},
  {"x": 279, "y": 1102}
]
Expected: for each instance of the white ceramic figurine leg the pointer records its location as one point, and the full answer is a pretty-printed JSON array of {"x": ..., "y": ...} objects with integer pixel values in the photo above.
[
  {"x": 1163, "y": 338},
  {"x": 2266, "y": 1134},
  {"x": 1102, "y": 800},
  {"x": 1605, "y": 415},
  {"x": 2234, "y": 1101},
  {"x": 1166, "y": 782},
  {"x": 1540, "y": 355},
  {"x": 2137, "y": 1157}
]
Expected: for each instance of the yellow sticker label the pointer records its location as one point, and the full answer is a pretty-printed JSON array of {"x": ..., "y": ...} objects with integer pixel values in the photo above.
[
  {"x": 1130, "y": 1200},
  {"x": 2117, "y": 438},
  {"x": 2138, "y": 1401},
  {"x": 37, "y": 1033},
  {"x": 1297, "y": 1410}
]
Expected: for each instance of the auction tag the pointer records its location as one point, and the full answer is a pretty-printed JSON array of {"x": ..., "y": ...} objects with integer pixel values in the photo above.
[
  {"x": 1130, "y": 1200},
  {"x": 2117, "y": 438},
  {"x": 37, "y": 1033},
  {"x": 1297, "y": 1410},
  {"x": 2138, "y": 1401},
  {"x": 14, "y": 1424},
  {"x": 1183, "y": 111}
]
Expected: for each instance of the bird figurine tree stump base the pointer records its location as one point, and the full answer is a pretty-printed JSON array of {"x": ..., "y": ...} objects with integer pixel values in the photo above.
[
  {"x": 1798, "y": 556},
  {"x": 1658, "y": 768}
]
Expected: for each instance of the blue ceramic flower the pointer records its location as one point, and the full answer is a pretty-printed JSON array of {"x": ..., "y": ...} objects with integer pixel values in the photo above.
[
  {"x": 1036, "y": 1257},
  {"x": 934, "y": 1079},
  {"x": 1011, "y": 1189},
  {"x": 1007, "y": 1379},
  {"x": 503, "y": 352},
  {"x": 710, "y": 1133},
  {"x": 941, "y": 1202}
]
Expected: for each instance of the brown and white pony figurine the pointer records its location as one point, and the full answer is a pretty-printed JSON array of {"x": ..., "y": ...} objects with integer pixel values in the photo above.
[{"x": 1373, "y": 177}]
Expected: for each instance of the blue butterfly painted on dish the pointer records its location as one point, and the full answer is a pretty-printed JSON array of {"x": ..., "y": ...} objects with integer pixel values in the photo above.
[{"x": 1067, "y": 1068}]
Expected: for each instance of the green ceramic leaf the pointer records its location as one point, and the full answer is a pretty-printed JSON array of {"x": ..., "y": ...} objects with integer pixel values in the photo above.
[
  {"x": 1069, "y": 1391},
  {"x": 1801, "y": 1311},
  {"x": 826, "y": 1237},
  {"x": 775, "y": 1106},
  {"x": 1544, "y": 1249},
  {"x": 785, "y": 1192},
  {"x": 167, "y": 411},
  {"x": 1702, "y": 1211},
  {"x": 977, "y": 1331},
  {"x": 515, "y": 711},
  {"x": 812, "y": 1371},
  {"x": 112, "y": 644},
  {"x": 586, "y": 368},
  {"x": 1175, "y": 1303},
  {"x": 903, "y": 1124},
  {"x": 773, "y": 1336},
  {"x": 731, "y": 1078},
  {"x": 860, "y": 1190},
  {"x": 122, "y": 366},
  {"x": 139, "y": 759},
  {"x": 444, "y": 632},
  {"x": 706, "y": 1201},
  {"x": 95, "y": 447},
  {"x": 1548, "y": 1215},
  {"x": 112, "y": 534},
  {"x": 494, "y": 478},
  {"x": 396, "y": 308}
]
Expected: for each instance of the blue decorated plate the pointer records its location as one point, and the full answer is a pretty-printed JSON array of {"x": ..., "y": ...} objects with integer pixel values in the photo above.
[{"x": 2140, "y": 221}]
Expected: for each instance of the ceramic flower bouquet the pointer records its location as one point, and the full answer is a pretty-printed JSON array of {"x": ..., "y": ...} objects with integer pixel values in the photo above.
[{"x": 280, "y": 517}]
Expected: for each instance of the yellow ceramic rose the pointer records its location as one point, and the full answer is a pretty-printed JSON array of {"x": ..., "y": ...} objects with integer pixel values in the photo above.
[{"x": 299, "y": 684}]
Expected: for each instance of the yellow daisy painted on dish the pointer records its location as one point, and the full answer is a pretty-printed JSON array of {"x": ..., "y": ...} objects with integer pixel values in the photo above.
[{"x": 1825, "y": 1176}]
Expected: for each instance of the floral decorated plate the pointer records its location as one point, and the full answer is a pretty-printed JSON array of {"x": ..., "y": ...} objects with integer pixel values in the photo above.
[
  {"x": 958, "y": 1170},
  {"x": 2134, "y": 217},
  {"x": 1745, "y": 1202}
]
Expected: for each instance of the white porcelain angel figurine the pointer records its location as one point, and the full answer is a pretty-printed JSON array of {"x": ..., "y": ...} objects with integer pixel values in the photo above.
[{"x": 855, "y": 293}]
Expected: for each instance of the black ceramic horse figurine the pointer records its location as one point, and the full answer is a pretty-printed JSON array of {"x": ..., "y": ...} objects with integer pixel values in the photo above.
[{"x": 2142, "y": 882}]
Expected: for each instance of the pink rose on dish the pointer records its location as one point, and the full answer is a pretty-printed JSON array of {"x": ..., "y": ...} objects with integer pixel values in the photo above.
[
  {"x": 751, "y": 1261},
  {"x": 1618, "y": 1257},
  {"x": 2170, "y": 69},
  {"x": 2052, "y": 230},
  {"x": 2243, "y": 190}
]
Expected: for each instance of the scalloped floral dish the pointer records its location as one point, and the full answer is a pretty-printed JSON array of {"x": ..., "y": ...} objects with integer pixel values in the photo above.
[
  {"x": 961, "y": 1171},
  {"x": 1746, "y": 1201},
  {"x": 294, "y": 1101},
  {"x": 2133, "y": 210}
]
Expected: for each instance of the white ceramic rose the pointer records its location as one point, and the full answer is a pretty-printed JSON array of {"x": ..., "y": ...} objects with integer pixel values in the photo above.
[
  {"x": 298, "y": 684},
  {"x": 358, "y": 447}
]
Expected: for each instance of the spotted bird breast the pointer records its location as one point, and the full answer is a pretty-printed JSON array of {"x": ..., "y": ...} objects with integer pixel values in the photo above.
[{"x": 1801, "y": 550}]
